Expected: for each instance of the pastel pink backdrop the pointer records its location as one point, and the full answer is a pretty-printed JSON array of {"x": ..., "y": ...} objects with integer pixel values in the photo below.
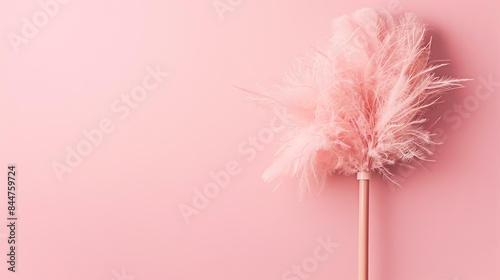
[{"x": 117, "y": 213}]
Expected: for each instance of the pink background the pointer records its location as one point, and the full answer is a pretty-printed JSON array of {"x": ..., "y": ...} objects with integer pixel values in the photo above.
[{"x": 116, "y": 215}]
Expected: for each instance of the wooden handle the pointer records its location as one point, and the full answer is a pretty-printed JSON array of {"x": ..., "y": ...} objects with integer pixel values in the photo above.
[{"x": 364, "y": 182}]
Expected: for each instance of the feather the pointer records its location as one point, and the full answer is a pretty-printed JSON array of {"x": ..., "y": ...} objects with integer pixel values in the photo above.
[{"x": 358, "y": 104}]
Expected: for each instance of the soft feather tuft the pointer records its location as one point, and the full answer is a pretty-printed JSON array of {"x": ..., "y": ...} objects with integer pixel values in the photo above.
[{"x": 358, "y": 104}]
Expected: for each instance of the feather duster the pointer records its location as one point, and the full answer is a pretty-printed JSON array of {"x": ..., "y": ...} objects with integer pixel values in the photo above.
[{"x": 358, "y": 105}]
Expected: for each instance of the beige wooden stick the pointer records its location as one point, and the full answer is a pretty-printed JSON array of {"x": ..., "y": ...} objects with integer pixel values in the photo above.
[{"x": 364, "y": 182}]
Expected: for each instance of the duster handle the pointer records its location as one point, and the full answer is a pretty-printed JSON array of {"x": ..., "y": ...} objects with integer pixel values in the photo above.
[{"x": 364, "y": 182}]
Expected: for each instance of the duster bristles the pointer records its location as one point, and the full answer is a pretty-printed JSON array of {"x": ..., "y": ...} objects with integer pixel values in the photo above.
[{"x": 358, "y": 105}]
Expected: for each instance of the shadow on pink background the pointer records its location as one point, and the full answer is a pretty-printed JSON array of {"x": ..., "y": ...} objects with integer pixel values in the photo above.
[{"x": 169, "y": 184}]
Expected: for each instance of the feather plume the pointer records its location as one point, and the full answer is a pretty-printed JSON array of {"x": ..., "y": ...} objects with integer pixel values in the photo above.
[{"x": 358, "y": 104}]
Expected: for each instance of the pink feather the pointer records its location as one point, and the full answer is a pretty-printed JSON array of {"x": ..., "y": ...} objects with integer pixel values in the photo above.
[{"x": 357, "y": 105}]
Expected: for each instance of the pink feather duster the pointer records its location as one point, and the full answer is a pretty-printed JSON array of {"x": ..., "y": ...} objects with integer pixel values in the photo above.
[{"x": 358, "y": 105}]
